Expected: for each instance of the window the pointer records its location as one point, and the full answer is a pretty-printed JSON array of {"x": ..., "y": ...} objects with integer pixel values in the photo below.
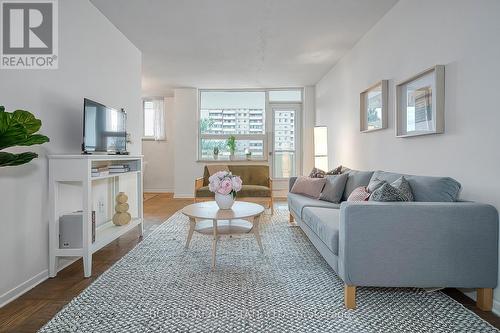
[
  {"x": 154, "y": 119},
  {"x": 285, "y": 95},
  {"x": 238, "y": 113}
]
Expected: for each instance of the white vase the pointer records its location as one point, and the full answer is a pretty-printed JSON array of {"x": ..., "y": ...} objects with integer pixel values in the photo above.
[{"x": 224, "y": 201}]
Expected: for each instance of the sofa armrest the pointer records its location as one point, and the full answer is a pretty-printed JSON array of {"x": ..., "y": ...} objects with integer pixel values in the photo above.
[
  {"x": 291, "y": 181},
  {"x": 418, "y": 244},
  {"x": 198, "y": 183}
]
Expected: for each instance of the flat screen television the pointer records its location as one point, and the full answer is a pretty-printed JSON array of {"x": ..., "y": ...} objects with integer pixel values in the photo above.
[{"x": 104, "y": 129}]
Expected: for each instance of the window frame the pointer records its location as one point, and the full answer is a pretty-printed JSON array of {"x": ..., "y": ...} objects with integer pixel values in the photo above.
[
  {"x": 266, "y": 137},
  {"x": 151, "y": 99}
]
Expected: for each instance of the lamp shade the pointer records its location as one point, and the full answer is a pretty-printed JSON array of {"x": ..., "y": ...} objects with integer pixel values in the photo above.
[{"x": 321, "y": 147}]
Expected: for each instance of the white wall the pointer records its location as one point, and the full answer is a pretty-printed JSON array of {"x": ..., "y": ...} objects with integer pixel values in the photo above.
[
  {"x": 412, "y": 36},
  {"x": 159, "y": 156},
  {"x": 95, "y": 61},
  {"x": 186, "y": 129}
]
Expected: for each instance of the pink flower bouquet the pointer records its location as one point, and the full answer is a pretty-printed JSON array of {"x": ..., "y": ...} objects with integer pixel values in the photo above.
[{"x": 224, "y": 183}]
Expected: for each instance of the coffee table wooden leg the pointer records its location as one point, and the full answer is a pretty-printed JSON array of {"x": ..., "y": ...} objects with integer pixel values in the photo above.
[
  {"x": 214, "y": 244},
  {"x": 256, "y": 232},
  {"x": 192, "y": 225}
]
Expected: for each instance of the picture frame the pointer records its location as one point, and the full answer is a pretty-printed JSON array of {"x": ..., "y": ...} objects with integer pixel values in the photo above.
[
  {"x": 420, "y": 103},
  {"x": 373, "y": 106}
]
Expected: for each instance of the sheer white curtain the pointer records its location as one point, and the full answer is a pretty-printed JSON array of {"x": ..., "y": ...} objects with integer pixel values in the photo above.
[{"x": 159, "y": 119}]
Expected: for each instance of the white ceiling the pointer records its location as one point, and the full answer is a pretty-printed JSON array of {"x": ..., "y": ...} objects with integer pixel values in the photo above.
[{"x": 240, "y": 43}]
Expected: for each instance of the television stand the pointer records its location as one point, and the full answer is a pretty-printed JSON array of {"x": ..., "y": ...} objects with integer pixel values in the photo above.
[{"x": 73, "y": 188}]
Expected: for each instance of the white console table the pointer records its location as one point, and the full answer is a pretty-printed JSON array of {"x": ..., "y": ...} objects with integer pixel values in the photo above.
[{"x": 71, "y": 188}]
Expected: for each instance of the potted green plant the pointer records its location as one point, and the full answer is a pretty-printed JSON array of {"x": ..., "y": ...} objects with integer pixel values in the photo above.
[
  {"x": 216, "y": 152},
  {"x": 18, "y": 128},
  {"x": 231, "y": 145}
]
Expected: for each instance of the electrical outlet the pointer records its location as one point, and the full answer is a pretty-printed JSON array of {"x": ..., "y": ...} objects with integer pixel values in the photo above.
[{"x": 100, "y": 206}]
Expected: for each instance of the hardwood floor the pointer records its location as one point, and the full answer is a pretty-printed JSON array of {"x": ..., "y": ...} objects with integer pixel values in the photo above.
[
  {"x": 32, "y": 310},
  {"x": 35, "y": 308}
]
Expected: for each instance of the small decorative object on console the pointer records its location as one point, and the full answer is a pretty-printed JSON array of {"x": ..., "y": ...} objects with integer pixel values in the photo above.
[
  {"x": 122, "y": 216},
  {"x": 225, "y": 185}
]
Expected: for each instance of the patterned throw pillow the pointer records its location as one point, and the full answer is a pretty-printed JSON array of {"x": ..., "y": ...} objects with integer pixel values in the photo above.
[
  {"x": 317, "y": 173},
  {"x": 404, "y": 186},
  {"x": 375, "y": 184},
  {"x": 359, "y": 194},
  {"x": 399, "y": 190},
  {"x": 336, "y": 171}
]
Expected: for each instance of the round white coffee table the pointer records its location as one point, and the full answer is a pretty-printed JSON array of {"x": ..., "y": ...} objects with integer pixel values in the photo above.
[{"x": 206, "y": 218}]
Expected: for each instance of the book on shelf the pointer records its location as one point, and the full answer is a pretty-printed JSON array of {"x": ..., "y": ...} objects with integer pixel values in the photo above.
[
  {"x": 99, "y": 169},
  {"x": 119, "y": 170},
  {"x": 100, "y": 173},
  {"x": 119, "y": 166}
]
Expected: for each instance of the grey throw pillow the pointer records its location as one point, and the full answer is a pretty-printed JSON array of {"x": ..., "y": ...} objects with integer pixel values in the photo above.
[
  {"x": 375, "y": 184},
  {"x": 399, "y": 190},
  {"x": 334, "y": 187}
]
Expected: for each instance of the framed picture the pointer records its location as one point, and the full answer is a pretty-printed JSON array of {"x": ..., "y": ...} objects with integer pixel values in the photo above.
[
  {"x": 420, "y": 104},
  {"x": 373, "y": 107}
]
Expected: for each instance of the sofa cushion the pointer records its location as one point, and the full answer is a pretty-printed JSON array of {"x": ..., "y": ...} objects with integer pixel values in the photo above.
[
  {"x": 324, "y": 222},
  {"x": 255, "y": 191},
  {"x": 359, "y": 194},
  {"x": 334, "y": 187},
  {"x": 388, "y": 193},
  {"x": 308, "y": 186},
  {"x": 356, "y": 179},
  {"x": 298, "y": 202},
  {"x": 425, "y": 188},
  {"x": 251, "y": 174},
  {"x": 317, "y": 173}
]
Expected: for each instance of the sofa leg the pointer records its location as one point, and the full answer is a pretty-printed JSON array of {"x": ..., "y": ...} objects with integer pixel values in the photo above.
[
  {"x": 350, "y": 297},
  {"x": 291, "y": 218},
  {"x": 485, "y": 299},
  {"x": 271, "y": 205}
]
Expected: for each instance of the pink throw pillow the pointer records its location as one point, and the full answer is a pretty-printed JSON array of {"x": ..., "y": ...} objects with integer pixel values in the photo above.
[
  {"x": 359, "y": 194},
  {"x": 311, "y": 187}
]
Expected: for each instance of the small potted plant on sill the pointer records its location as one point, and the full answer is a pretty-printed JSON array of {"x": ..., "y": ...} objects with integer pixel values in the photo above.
[
  {"x": 248, "y": 153},
  {"x": 231, "y": 145},
  {"x": 225, "y": 186}
]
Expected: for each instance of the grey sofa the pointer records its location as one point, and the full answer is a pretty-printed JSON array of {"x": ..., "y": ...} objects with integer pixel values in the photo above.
[{"x": 436, "y": 241}]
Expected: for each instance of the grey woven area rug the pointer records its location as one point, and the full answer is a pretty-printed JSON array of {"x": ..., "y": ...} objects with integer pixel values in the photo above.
[{"x": 161, "y": 287}]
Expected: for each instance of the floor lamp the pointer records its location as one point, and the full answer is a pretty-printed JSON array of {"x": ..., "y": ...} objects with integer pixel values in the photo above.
[{"x": 321, "y": 147}]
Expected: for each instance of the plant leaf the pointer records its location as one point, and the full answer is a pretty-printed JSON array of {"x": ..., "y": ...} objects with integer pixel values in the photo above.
[
  {"x": 9, "y": 159},
  {"x": 35, "y": 139},
  {"x": 28, "y": 120},
  {"x": 2, "y": 108},
  {"x": 12, "y": 134}
]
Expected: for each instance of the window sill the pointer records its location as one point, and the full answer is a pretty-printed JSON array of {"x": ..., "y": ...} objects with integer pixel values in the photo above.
[
  {"x": 152, "y": 139},
  {"x": 234, "y": 160}
]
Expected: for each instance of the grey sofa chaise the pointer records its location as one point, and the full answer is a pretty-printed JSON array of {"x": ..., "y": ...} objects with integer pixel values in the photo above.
[{"x": 435, "y": 241}]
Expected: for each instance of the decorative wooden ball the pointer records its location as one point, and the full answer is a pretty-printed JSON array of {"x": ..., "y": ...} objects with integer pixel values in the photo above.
[
  {"x": 122, "y": 216},
  {"x": 121, "y": 198},
  {"x": 121, "y": 207}
]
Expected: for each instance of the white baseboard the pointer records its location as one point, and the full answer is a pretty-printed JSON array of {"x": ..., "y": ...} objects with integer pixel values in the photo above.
[
  {"x": 15, "y": 292},
  {"x": 29, "y": 284},
  {"x": 159, "y": 190},
  {"x": 183, "y": 196}
]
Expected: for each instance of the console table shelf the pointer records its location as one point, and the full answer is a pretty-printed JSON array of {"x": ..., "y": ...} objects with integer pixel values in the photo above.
[{"x": 72, "y": 187}]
